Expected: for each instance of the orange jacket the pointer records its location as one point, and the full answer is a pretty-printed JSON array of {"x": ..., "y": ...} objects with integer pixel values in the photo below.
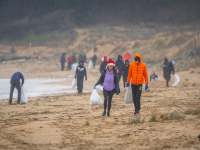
[
  {"x": 137, "y": 72},
  {"x": 127, "y": 56}
]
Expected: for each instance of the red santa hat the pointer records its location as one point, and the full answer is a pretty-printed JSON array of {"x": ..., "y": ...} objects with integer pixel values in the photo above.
[{"x": 111, "y": 63}]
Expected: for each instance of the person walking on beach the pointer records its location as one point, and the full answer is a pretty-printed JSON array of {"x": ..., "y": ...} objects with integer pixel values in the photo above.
[
  {"x": 127, "y": 56},
  {"x": 74, "y": 58},
  {"x": 94, "y": 59},
  {"x": 110, "y": 83},
  {"x": 15, "y": 82},
  {"x": 80, "y": 73},
  {"x": 136, "y": 74},
  {"x": 103, "y": 64},
  {"x": 125, "y": 72},
  {"x": 62, "y": 61},
  {"x": 70, "y": 62},
  {"x": 119, "y": 64},
  {"x": 169, "y": 70}
]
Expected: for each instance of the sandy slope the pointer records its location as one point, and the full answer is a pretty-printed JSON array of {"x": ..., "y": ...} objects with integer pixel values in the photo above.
[{"x": 59, "y": 122}]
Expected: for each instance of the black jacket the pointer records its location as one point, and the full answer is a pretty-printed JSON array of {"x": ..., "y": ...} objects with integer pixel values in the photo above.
[
  {"x": 74, "y": 59},
  {"x": 125, "y": 71},
  {"x": 101, "y": 79},
  {"x": 103, "y": 66},
  {"x": 81, "y": 71},
  {"x": 94, "y": 58},
  {"x": 17, "y": 76},
  {"x": 119, "y": 64},
  {"x": 62, "y": 59},
  {"x": 169, "y": 70}
]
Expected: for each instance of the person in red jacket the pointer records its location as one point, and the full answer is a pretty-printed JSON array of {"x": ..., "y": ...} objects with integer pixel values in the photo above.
[
  {"x": 127, "y": 56},
  {"x": 136, "y": 74},
  {"x": 70, "y": 61}
]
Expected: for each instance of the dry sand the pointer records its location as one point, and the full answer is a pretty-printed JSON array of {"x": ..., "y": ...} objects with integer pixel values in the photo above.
[{"x": 66, "y": 121}]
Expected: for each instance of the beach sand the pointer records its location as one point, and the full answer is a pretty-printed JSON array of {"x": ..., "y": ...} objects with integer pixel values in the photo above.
[{"x": 66, "y": 121}]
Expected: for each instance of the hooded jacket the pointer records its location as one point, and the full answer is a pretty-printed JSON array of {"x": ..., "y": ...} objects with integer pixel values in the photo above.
[
  {"x": 126, "y": 69},
  {"x": 81, "y": 71},
  {"x": 103, "y": 66},
  {"x": 119, "y": 64},
  {"x": 137, "y": 72},
  {"x": 127, "y": 56},
  {"x": 62, "y": 58}
]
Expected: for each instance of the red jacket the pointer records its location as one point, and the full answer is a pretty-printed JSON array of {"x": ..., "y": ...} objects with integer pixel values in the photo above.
[
  {"x": 70, "y": 59},
  {"x": 127, "y": 56}
]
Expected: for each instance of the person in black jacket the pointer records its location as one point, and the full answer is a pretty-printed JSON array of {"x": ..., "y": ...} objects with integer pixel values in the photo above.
[
  {"x": 84, "y": 58},
  {"x": 110, "y": 83},
  {"x": 15, "y": 82},
  {"x": 62, "y": 61},
  {"x": 119, "y": 64},
  {"x": 80, "y": 73},
  {"x": 164, "y": 65},
  {"x": 125, "y": 72},
  {"x": 94, "y": 59},
  {"x": 103, "y": 64},
  {"x": 169, "y": 70},
  {"x": 74, "y": 59}
]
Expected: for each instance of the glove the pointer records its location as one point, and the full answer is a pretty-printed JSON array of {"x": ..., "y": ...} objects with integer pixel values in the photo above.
[
  {"x": 117, "y": 91},
  {"x": 85, "y": 79},
  {"x": 127, "y": 84},
  {"x": 146, "y": 87}
]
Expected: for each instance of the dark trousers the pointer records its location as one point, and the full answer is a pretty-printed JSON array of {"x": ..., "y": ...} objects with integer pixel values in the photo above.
[
  {"x": 119, "y": 76},
  {"x": 136, "y": 91},
  {"x": 80, "y": 84},
  {"x": 125, "y": 80},
  {"x": 94, "y": 64},
  {"x": 69, "y": 65},
  {"x": 62, "y": 66},
  {"x": 15, "y": 83},
  {"x": 108, "y": 97}
]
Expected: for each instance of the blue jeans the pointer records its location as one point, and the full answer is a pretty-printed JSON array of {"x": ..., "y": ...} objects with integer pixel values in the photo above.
[{"x": 15, "y": 83}]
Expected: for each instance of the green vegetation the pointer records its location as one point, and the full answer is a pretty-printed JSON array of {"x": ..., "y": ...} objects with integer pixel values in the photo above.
[
  {"x": 87, "y": 123},
  {"x": 153, "y": 117},
  {"x": 193, "y": 111},
  {"x": 175, "y": 116},
  {"x": 137, "y": 120}
]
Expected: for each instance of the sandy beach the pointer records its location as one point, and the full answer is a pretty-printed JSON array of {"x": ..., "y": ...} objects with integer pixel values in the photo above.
[{"x": 66, "y": 121}]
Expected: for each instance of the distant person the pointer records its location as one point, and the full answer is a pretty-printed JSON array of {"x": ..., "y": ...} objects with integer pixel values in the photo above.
[
  {"x": 127, "y": 56},
  {"x": 169, "y": 70},
  {"x": 94, "y": 60},
  {"x": 136, "y": 74},
  {"x": 110, "y": 83},
  {"x": 120, "y": 65},
  {"x": 125, "y": 72},
  {"x": 70, "y": 62},
  {"x": 164, "y": 65},
  {"x": 84, "y": 58},
  {"x": 15, "y": 82},
  {"x": 153, "y": 76},
  {"x": 80, "y": 73},
  {"x": 62, "y": 61},
  {"x": 80, "y": 57},
  {"x": 74, "y": 58},
  {"x": 103, "y": 64},
  {"x": 13, "y": 51}
]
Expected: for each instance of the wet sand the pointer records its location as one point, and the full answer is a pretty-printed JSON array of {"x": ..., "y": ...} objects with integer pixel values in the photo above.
[{"x": 66, "y": 121}]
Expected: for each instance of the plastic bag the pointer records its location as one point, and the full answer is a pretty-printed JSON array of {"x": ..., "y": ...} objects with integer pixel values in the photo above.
[
  {"x": 90, "y": 65},
  {"x": 177, "y": 80},
  {"x": 99, "y": 87},
  {"x": 24, "y": 98},
  {"x": 74, "y": 66},
  {"x": 73, "y": 83},
  {"x": 156, "y": 79},
  {"x": 95, "y": 99},
  {"x": 128, "y": 96}
]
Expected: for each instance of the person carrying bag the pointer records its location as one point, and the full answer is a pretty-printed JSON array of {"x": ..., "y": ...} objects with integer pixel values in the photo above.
[{"x": 109, "y": 80}]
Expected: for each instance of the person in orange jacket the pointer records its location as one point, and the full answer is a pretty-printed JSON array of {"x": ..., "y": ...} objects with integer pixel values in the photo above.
[
  {"x": 137, "y": 73},
  {"x": 127, "y": 56}
]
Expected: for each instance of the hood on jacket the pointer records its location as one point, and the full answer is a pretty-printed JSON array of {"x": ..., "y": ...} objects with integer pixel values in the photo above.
[
  {"x": 126, "y": 61},
  {"x": 119, "y": 56},
  {"x": 80, "y": 62},
  {"x": 138, "y": 55}
]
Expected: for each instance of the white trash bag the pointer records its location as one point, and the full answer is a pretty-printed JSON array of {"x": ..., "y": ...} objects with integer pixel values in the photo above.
[
  {"x": 24, "y": 98},
  {"x": 73, "y": 83},
  {"x": 99, "y": 87},
  {"x": 128, "y": 96},
  {"x": 90, "y": 65},
  {"x": 95, "y": 99},
  {"x": 74, "y": 66},
  {"x": 177, "y": 80}
]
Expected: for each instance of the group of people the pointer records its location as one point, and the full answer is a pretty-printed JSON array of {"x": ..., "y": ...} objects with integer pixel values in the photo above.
[
  {"x": 133, "y": 74},
  {"x": 71, "y": 60}
]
